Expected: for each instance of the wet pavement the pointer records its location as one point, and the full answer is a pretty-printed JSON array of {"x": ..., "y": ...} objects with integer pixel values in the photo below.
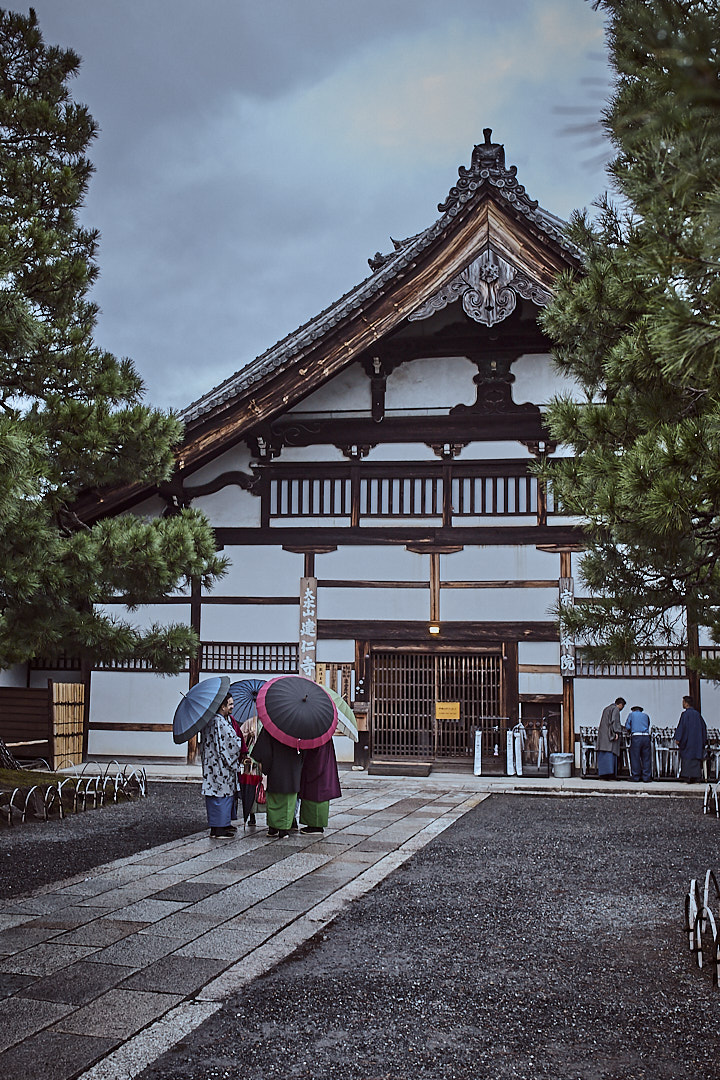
[{"x": 102, "y": 975}]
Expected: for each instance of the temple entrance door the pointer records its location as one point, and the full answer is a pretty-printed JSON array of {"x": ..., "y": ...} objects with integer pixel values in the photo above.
[{"x": 428, "y": 706}]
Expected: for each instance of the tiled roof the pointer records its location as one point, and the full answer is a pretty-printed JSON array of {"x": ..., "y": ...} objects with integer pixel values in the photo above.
[{"x": 487, "y": 167}]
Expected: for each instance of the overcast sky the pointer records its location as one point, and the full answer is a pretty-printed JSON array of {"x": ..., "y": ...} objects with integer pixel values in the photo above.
[{"x": 254, "y": 153}]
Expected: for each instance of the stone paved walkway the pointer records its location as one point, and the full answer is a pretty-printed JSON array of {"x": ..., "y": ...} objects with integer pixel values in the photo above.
[
  {"x": 154, "y": 942},
  {"x": 100, "y": 975}
]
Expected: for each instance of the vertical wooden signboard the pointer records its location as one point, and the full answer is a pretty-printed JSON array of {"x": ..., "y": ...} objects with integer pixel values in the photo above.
[{"x": 308, "y": 626}]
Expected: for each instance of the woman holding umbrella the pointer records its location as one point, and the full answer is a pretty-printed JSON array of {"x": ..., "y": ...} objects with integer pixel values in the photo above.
[
  {"x": 319, "y": 783},
  {"x": 297, "y": 716},
  {"x": 221, "y": 752}
]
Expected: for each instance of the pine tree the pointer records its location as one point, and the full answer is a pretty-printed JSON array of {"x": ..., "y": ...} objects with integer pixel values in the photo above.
[
  {"x": 71, "y": 414},
  {"x": 640, "y": 334}
]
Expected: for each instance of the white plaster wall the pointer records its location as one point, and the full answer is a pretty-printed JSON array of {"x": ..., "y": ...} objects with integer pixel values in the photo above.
[
  {"x": 505, "y": 605},
  {"x": 430, "y": 384},
  {"x": 409, "y": 604},
  {"x": 710, "y": 703},
  {"x": 128, "y": 697},
  {"x": 14, "y": 676},
  {"x": 492, "y": 451},
  {"x": 348, "y": 393},
  {"x": 344, "y": 750},
  {"x": 250, "y": 622},
  {"x": 535, "y": 379},
  {"x": 237, "y": 458},
  {"x": 538, "y": 652},
  {"x": 144, "y": 617},
  {"x": 337, "y": 651},
  {"x": 317, "y": 453},
  {"x": 661, "y": 699},
  {"x": 310, "y": 522},
  {"x": 260, "y": 570},
  {"x": 499, "y": 563},
  {"x": 539, "y": 684},
  {"x": 230, "y": 508},
  {"x": 401, "y": 452},
  {"x": 371, "y": 563},
  {"x": 150, "y": 508}
]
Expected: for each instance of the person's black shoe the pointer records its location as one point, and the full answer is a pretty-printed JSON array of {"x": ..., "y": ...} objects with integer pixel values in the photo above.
[
  {"x": 228, "y": 831},
  {"x": 251, "y": 820},
  {"x": 283, "y": 835},
  {"x": 311, "y": 828},
  {"x": 273, "y": 832}
]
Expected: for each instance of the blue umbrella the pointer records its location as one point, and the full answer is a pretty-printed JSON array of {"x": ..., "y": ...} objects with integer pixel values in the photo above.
[
  {"x": 197, "y": 706},
  {"x": 245, "y": 695}
]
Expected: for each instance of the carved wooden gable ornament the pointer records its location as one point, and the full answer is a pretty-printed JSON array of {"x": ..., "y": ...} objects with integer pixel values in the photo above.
[{"x": 491, "y": 246}]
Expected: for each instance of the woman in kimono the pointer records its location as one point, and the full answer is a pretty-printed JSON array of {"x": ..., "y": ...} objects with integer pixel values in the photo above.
[
  {"x": 282, "y": 766},
  {"x": 221, "y": 751},
  {"x": 319, "y": 783},
  {"x": 250, "y": 774},
  {"x": 691, "y": 737}
]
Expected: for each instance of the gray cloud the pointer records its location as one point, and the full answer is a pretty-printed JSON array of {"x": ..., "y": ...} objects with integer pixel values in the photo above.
[{"x": 253, "y": 155}]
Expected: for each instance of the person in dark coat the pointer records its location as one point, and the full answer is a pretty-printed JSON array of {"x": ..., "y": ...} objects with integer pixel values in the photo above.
[
  {"x": 609, "y": 741},
  {"x": 282, "y": 765},
  {"x": 691, "y": 737},
  {"x": 319, "y": 782}
]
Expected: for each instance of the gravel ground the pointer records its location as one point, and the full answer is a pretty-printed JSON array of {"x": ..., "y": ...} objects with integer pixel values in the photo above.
[
  {"x": 536, "y": 938},
  {"x": 40, "y": 853}
]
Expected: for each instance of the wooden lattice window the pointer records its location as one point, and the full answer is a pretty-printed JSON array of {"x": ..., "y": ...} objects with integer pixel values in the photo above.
[{"x": 249, "y": 658}]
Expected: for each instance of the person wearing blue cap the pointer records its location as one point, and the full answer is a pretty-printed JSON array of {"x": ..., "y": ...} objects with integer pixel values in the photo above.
[{"x": 638, "y": 724}]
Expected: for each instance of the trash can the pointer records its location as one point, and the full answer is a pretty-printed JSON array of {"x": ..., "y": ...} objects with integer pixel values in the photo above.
[{"x": 562, "y": 764}]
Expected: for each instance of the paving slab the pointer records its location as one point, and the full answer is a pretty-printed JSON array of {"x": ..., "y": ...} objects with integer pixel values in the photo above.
[
  {"x": 135, "y": 951},
  {"x": 77, "y": 984},
  {"x": 22, "y": 1017},
  {"x": 100, "y": 932},
  {"x": 23, "y": 936},
  {"x": 148, "y": 911},
  {"x": 226, "y": 944},
  {"x": 184, "y": 924},
  {"x": 176, "y": 972},
  {"x": 52, "y": 1055},
  {"x": 118, "y": 1014},
  {"x": 11, "y": 983},
  {"x": 44, "y": 959},
  {"x": 187, "y": 892}
]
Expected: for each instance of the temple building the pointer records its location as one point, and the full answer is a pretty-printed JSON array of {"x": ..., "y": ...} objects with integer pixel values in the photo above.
[{"x": 370, "y": 477}]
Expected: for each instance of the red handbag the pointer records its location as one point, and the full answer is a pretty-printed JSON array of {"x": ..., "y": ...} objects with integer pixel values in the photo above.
[{"x": 260, "y": 798}]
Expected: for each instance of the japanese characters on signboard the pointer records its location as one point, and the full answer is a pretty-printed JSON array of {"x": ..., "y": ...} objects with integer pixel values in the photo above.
[
  {"x": 308, "y": 626},
  {"x": 567, "y": 644}
]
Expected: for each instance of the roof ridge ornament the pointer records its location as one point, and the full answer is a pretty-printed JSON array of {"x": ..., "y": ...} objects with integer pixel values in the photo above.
[{"x": 488, "y": 166}]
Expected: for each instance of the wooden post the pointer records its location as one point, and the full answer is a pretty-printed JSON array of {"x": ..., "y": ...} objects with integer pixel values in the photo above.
[
  {"x": 510, "y": 696},
  {"x": 693, "y": 649},
  {"x": 434, "y": 587},
  {"x": 85, "y": 671},
  {"x": 194, "y": 664},
  {"x": 51, "y": 724},
  {"x": 568, "y": 727}
]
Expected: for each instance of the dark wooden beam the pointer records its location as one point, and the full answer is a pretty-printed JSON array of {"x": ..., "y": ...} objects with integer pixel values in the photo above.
[
  {"x": 465, "y": 536},
  {"x": 398, "y": 630}
]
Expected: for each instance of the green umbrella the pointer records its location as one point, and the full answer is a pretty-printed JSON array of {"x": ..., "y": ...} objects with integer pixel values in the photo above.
[{"x": 347, "y": 724}]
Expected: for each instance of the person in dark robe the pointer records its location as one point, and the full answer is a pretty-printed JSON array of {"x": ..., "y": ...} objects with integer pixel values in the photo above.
[
  {"x": 282, "y": 765},
  {"x": 691, "y": 737},
  {"x": 609, "y": 743},
  {"x": 319, "y": 782}
]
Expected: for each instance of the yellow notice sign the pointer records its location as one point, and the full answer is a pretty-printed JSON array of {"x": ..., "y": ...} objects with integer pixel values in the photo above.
[{"x": 447, "y": 710}]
